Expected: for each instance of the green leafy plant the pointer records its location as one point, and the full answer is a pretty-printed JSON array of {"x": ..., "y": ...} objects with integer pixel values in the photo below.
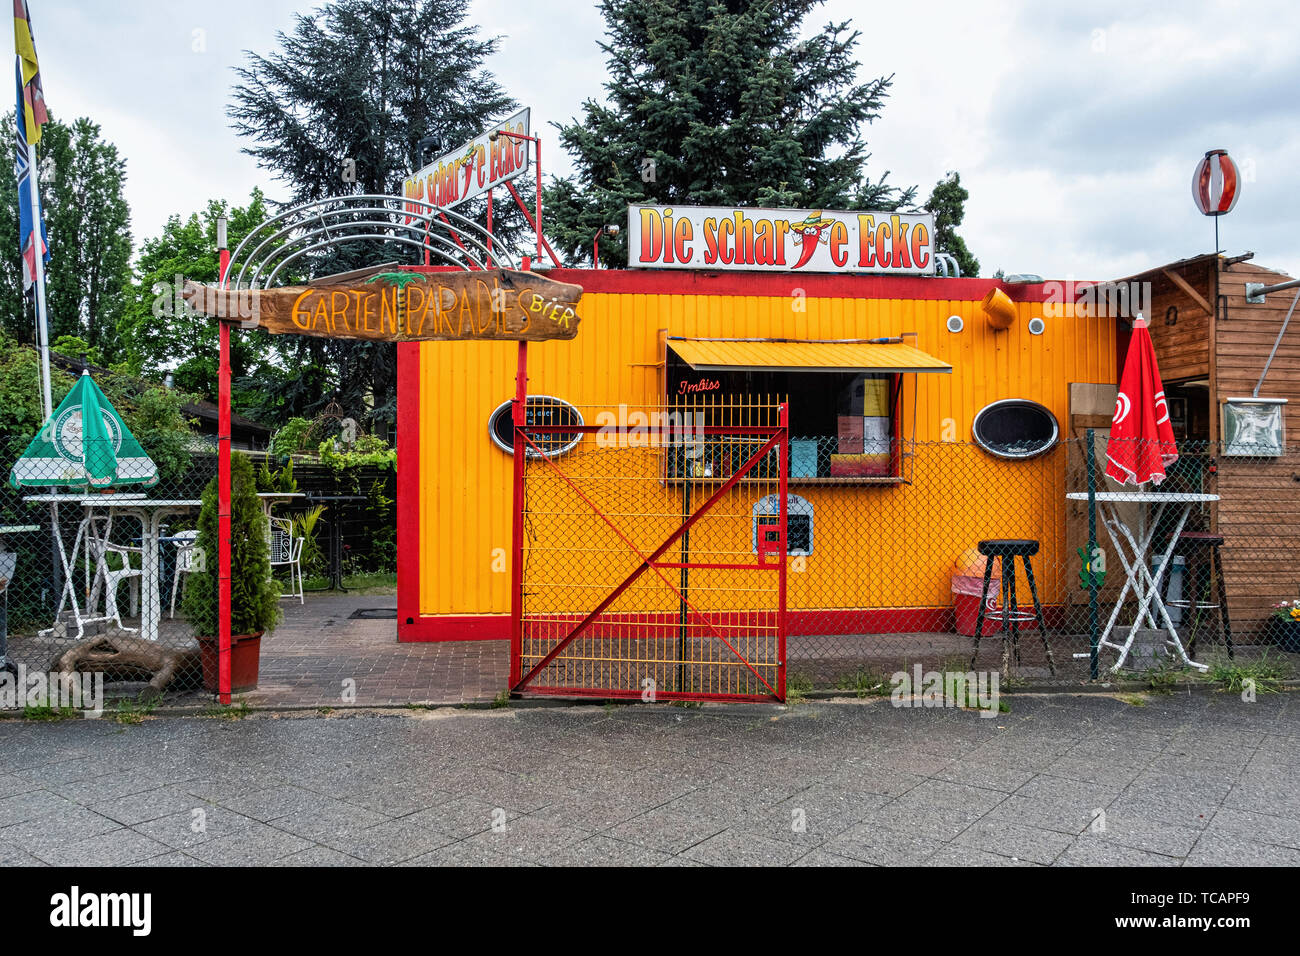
[
  {"x": 304, "y": 526},
  {"x": 280, "y": 481},
  {"x": 1267, "y": 672},
  {"x": 366, "y": 450},
  {"x": 254, "y": 595},
  {"x": 293, "y": 437}
]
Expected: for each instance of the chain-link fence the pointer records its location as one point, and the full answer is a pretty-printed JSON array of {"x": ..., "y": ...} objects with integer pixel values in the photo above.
[
  {"x": 948, "y": 556},
  {"x": 94, "y": 580}
]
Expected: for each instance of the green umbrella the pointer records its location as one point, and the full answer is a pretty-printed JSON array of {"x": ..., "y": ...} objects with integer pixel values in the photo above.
[{"x": 85, "y": 442}]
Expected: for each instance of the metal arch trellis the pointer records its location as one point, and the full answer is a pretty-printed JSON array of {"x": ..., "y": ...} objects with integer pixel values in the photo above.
[{"x": 441, "y": 233}]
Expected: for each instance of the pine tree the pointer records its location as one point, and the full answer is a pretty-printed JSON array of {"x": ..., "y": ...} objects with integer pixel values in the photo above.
[
  {"x": 948, "y": 203},
  {"x": 729, "y": 106},
  {"x": 365, "y": 80}
]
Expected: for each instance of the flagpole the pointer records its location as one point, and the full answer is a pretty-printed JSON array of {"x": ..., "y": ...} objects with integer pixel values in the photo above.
[{"x": 42, "y": 321}]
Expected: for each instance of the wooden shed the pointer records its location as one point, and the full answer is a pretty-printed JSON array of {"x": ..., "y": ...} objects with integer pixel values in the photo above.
[{"x": 1214, "y": 346}]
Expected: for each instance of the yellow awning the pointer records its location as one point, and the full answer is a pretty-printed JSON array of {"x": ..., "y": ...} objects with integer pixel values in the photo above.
[{"x": 708, "y": 355}]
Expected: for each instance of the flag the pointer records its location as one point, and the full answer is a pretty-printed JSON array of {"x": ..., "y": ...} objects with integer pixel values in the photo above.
[
  {"x": 31, "y": 97},
  {"x": 26, "y": 183}
]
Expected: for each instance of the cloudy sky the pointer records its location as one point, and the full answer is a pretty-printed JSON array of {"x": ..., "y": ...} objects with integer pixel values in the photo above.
[{"x": 1076, "y": 127}]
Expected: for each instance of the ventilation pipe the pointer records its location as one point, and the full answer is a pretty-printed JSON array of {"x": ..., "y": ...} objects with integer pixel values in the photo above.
[{"x": 999, "y": 310}]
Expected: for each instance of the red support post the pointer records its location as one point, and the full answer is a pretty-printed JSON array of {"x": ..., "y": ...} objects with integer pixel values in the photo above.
[
  {"x": 537, "y": 174},
  {"x": 491, "y": 255},
  {"x": 223, "y": 487},
  {"x": 783, "y": 457},
  {"x": 517, "y": 521}
]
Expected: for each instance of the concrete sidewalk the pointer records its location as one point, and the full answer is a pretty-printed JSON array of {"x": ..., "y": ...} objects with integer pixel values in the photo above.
[{"x": 1083, "y": 780}]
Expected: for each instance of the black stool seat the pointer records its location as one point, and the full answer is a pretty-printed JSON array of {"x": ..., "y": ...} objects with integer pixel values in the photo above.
[
  {"x": 1200, "y": 538},
  {"x": 1008, "y": 546},
  {"x": 1007, "y": 550}
]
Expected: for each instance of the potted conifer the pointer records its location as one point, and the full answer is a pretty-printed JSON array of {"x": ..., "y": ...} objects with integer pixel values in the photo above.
[{"x": 254, "y": 595}]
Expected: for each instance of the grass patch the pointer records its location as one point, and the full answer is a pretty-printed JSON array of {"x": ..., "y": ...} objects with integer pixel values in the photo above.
[
  {"x": 46, "y": 712},
  {"x": 1133, "y": 700},
  {"x": 1232, "y": 674},
  {"x": 238, "y": 710},
  {"x": 132, "y": 710},
  {"x": 380, "y": 582},
  {"x": 501, "y": 700},
  {"x": 865, "y": 683},
  {"x": 797, "y": 687}
]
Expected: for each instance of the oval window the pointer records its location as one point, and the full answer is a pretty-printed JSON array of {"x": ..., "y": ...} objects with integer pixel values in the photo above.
[
  {"x": 539, "y": 410},
  {"x": 1015, "y": 428}
]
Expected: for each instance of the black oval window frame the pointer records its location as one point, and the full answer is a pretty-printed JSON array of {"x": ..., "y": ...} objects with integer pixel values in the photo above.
[
  {"x": 999, "y": 450},
  {"x": 501, "y": 417}
]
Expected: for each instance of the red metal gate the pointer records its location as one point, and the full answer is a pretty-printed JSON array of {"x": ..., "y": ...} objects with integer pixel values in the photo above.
[{"x": 650, "y": 552}]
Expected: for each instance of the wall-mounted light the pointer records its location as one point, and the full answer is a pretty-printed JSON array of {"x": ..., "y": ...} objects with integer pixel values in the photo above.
[
  {"x": 956, "y": 323},
  {"x": 609, "y": 229},
  {"x": 1037, "y": 326},
  {"x": 1171, "y": 315}
]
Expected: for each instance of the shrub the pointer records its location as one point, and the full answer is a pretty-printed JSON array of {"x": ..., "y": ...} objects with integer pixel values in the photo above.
[{"x": 254, "y": 595}]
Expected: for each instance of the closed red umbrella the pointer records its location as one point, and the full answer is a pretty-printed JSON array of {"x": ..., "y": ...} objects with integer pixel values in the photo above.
[{"x": 1141, "y": 442}]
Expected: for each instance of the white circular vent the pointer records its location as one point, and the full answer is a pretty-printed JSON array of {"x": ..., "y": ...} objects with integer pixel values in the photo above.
[
  {"x": 955, "y": 323},
  {"x": 1037, "y": 326}
]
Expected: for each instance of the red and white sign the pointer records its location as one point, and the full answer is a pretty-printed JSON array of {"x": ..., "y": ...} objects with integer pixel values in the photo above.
[
  {"x": 779, "y": 240},
  {"x": 472, "y": 169},
  {"x": 1215, "y": 184}
]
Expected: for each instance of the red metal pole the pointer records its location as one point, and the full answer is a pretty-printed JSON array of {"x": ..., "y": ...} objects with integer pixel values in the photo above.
[
  {"x": 223, "y": 487},
  {"x": 782, "y": 456},
  {"x": 517, "y": 522},
  {"x": 489, "y": 228},
  {"x": 595, "y": 249},
  {"x": 538, "y": 172}
]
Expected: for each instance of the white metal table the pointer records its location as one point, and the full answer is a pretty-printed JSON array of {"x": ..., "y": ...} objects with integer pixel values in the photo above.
[
  {"x": 150, "y": 512},
  {"x": 1139, "y": 579},
  {"x": 272, "y": 498}
]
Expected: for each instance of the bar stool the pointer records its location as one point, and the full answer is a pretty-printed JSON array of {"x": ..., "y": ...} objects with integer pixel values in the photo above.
[
  {"x": 1200, "y": 549},
  {"x": 1010, "y": 548}
]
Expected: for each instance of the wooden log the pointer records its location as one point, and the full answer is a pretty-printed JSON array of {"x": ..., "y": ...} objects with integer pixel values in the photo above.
[
  {"x": 498, "y": 304},
  {"x": 123, "y": 658}
]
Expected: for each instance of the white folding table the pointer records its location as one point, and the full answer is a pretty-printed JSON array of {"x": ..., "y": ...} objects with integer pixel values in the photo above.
[
  {"x": 150, "y": 512},
  {"x": 1139, "y": 579}
]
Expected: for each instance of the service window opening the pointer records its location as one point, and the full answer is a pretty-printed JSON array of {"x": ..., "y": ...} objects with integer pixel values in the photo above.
[{"x": 843, "y": 424}]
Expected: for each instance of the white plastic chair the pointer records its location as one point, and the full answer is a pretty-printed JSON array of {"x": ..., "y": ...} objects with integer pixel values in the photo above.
[
  {"x": 189, "y": 560},
  {"x": 100, "y": 549},
  {"x": 286, "y": 550}
]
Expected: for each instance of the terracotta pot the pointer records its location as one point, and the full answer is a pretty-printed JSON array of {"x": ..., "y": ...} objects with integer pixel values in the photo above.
[{"x": 245, "y": 657}]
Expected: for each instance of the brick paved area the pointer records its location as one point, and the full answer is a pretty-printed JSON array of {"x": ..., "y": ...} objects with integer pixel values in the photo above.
[
  {"x": 1203, "y": 779},
  {"x": 321, "y": 645}
]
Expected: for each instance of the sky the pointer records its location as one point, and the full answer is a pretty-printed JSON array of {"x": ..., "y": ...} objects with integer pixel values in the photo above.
[{"x": 1076, "y": 127}]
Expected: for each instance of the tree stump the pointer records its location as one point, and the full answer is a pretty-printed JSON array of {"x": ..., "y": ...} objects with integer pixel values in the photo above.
[{"x": 126, "y": 658}]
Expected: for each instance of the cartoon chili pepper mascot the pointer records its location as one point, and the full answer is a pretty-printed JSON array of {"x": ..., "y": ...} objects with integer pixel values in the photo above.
[{"x": 809, "y": 232}]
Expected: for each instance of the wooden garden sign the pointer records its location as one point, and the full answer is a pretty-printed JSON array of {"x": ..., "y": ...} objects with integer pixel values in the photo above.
[{"x": 497, "y": 304}]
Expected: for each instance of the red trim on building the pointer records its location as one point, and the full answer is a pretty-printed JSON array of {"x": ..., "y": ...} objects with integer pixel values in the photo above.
[
  {"x": 408, "y": 491},
  {"x": 437, "y": 628},
  {"x": 861, "y": 623},
  {"x": 779, "y": 284}
]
